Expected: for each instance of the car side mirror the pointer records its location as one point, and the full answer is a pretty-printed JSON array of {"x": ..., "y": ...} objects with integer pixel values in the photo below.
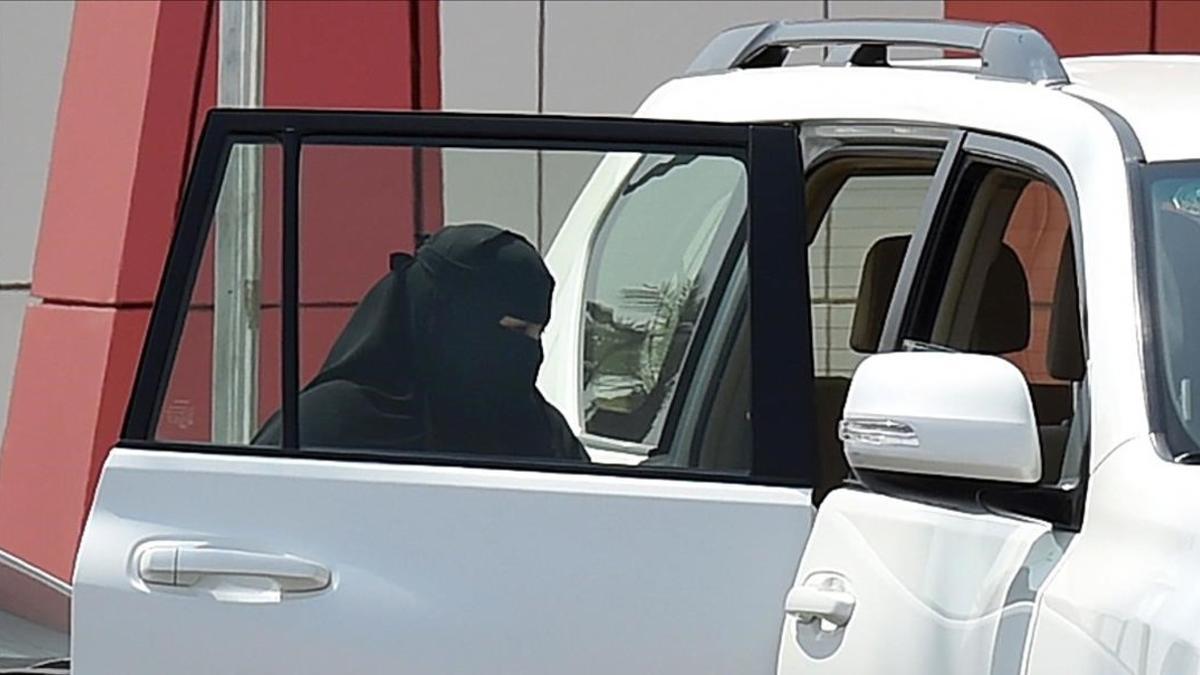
[{"x": 941, "y": 414}]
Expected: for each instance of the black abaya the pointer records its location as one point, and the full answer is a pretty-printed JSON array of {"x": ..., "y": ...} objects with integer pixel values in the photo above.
[{"x": 423, "y": 364}]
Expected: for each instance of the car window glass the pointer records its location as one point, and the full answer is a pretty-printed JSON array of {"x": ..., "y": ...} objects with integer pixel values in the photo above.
[
  {"x": 1002, "y": 281},
  {"x": 866, "y": 210},
  {"x": 652, "y": 267},
  {"x": 225, "y": 382},
  {"x": 1036, "y": 231},
  {"x": 1000, "y": 291},
  {"x": 434, "y": 350}
]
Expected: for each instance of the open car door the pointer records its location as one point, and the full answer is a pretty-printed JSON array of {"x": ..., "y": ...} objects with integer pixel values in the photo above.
[{"x": 216, "y": 545}]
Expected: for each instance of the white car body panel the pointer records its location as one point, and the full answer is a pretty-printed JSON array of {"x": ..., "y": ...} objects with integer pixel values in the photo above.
[
  {"x": 935, "y": 588},
  {"x": 1158, "y": 95},
  {"x": 580, "y": 573},
  {"x": 1125, "y": 598}
]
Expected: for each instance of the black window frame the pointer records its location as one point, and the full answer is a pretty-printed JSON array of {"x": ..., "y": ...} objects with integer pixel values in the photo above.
[{"x": 782, "y": 388}]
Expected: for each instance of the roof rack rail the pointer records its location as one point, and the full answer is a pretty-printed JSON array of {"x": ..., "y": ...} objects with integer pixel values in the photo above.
[{"x": 1009, "y": 51}]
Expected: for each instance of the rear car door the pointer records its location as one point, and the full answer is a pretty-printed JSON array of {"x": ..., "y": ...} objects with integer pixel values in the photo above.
[
  {"x": 209, "y": 550},
  {"x": 925, "y": 570}
]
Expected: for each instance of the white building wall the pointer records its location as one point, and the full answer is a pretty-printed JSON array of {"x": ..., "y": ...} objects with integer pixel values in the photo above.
[{"x": 34, "y": 36}]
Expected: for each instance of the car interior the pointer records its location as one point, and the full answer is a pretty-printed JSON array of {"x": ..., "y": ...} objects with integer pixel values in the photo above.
[
  {"x": 977, "y": 298},
  {"x": 987, "y": 307}
]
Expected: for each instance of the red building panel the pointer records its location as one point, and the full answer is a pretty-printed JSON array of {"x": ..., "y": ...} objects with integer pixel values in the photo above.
[
  {"x": 1075, "y": 27},
  {"x": 120, "y": 147},
  {"x": 1177, "y": 26}
]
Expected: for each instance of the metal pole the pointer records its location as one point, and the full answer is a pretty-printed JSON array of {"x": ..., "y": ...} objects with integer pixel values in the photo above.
[{"x": 238, "y": 232}]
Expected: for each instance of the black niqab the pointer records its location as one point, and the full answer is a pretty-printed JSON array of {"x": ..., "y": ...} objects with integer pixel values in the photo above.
[{"x": 423, "y": 364}]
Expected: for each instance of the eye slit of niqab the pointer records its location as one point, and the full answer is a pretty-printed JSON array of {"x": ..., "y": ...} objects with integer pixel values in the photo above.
[{"x": 529, "y": 329}]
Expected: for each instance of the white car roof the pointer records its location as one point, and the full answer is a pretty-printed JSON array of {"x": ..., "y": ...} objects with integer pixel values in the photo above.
[{"x": 1159, "y": 96}]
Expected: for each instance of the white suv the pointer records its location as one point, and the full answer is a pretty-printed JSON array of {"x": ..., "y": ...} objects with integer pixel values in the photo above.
[{"x": 1005, "y": 486}]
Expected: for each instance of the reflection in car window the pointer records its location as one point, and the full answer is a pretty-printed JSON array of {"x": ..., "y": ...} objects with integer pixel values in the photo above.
[{"x": 652, "y": 268}]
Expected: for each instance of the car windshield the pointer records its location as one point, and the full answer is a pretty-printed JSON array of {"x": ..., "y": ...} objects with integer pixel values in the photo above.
[
  {"x": 34, "y": 618},
  {"x": 1173, "y": 241}
]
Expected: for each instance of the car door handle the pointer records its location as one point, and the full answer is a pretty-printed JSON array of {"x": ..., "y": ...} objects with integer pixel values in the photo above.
[
  {"x": 185, "y": 565},
  {"x": 810, "y": 603}
]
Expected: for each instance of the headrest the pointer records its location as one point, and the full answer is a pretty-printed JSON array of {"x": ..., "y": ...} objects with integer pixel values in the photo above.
[
  {"x": 1002, "y": 320},
  {"x": 880, "y": 272},
  {"x": 1064, "y": 345}
]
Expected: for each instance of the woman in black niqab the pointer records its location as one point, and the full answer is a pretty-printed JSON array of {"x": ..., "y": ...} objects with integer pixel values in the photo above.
[{"x": 425, "y": 363}]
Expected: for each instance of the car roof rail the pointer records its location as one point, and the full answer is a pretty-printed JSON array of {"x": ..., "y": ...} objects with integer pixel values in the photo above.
[{"x": 1008, "y": 51}]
